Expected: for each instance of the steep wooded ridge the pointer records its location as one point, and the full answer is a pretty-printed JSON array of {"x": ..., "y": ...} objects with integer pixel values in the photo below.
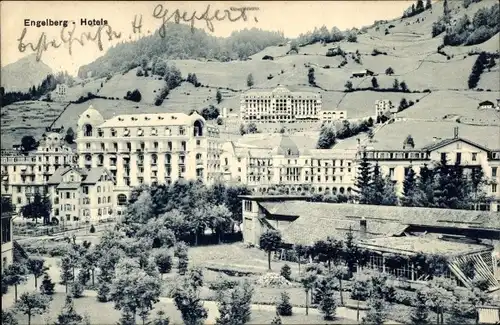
[{"x": 181, "y": 42}]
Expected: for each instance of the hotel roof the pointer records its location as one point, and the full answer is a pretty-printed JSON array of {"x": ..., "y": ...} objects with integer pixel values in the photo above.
[
  {"x": 159, "y": 119},
  {"x": 91, "y": 176}
]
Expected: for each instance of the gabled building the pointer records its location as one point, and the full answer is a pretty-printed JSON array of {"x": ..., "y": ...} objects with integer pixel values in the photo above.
[
  {"x": 81, "y": 195},
  {"x": 486, "y": 105},
  {"x": 460, "y": 236},
  {"x": 24, "y": 174},
  {"x": 396, "y": 162}
]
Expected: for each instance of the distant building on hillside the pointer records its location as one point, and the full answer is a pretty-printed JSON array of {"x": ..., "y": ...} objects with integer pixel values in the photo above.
[
  {"x": 362, "y": 73},
  {"x": 486, "y": 105},
  {"x": 280, "y": 106},
  {"x": 332, "y": 116},
  {"x": 226, "y": 113},
  {"x": 61, "y": 91},
  {"x": 384, "y": 107}
]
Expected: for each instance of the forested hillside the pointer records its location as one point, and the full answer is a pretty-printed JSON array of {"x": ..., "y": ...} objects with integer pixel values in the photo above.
[{"x": 180, "y": 42}]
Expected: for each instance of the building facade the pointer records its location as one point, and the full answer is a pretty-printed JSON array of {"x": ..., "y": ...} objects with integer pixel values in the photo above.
[
  {"x": 23, "y": 175},
  {"x": 82, "y": 195},
  {"x": 317, "y": 170},
  {"x": 384, "y": 107},
  {"x": 149, "y": 148},
  {"x": 7, "y": 251},
  {"x": 467, "y": 154},
  {"x": 280, "y": 105},
  {"x": 332, "y": 116}
]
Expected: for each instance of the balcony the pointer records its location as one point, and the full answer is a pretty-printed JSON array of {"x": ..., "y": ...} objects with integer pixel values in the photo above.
[{"x": 199, "y": 162}]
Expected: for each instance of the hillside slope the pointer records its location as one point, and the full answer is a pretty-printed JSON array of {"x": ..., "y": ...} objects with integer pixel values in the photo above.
[{"x": 24, "y": 73}]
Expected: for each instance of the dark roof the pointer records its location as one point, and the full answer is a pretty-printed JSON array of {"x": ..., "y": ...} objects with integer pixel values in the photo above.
[
  {"x": 68, "y": 186},
  {"x": 428, "y": 245},
  {"x": 287, "y": 147},
  {"x": 90, "y": 176},
  {"x": 486, "y": 102},
  {"x": 376, "y": 213},
  {"x": 446, "y": 142}
]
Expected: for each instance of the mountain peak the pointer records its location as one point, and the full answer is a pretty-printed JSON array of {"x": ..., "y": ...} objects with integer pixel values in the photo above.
[{"x": 24, "y": 73}]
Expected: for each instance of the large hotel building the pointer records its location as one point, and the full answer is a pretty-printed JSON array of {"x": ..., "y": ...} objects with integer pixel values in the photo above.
[
  {"x": 279, "y": 106},
  {"x": 149, "y": 148}
]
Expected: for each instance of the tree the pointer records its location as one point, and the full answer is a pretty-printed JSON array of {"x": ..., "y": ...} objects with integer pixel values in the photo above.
[
  {"x": 377, "y": 312},
  {"x": 270, "y": 241},
  {"x": 409, "y": 189},
  {"x": 39, "y": 207},
  {"x": 348, "y": 85},
  {"x": 37, "y": 268},
  {"x": 47, "y": 286},
  {"x": 161, "y": 319},
  {"x": 163, "y": 260},
  {"x": 68, "y": 314},
  {"x": 403, "y": 86},
  {"x": 28, "y": 143},
  {"x": 389, "y": 71},
  {"x": 70, "y": 136},
  {"x": 446, "y": 9},
  {"x": 8, "y": 318},
  {"x": 250, "y": 81},
  {"x": 76, "y": 289},
  {"x": 66, "y": 271},
  {"x": 363, "y": 181},
  {"x": 451, "y": 187},
  {"x": 235, "y": 308},
  {"x": 300, "y": 251},
  {"x": 276, "y": 320},
  {"x": 327, "y": 302},
  {"x": 428, "y": 5},
  {"x": 438, "y": 297},
  {"x": 180, "y": 252},
  {"x": 284, "y": 307},
  {"x": 32, "y": 304},
  {"x": 15, "y": 275},
  {"x": 218, "y": 96},
  {"x": 327, "y": 137},
  {"x": 360, "y": 289},
  {"x": 133, "y": 289},
  {"x": 395, "y": 84},
  {"x": 187, "y": 300},
  {"x": 311, "y": 77},
  {"x": 286, "y": 272},
  {"x": 339, "y": 272},
  {"x": 308, "y": 280},
  {"x": 374, "y": 83},
  {"x": 420, "y": 314}
]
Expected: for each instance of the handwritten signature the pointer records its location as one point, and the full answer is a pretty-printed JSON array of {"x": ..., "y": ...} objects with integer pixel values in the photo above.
[
  {"x": 177, "y": 16},
  {"x": 67, "y": 36}
]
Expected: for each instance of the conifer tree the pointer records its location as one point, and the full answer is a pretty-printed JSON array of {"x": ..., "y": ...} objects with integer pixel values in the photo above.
[
  {"x": 325, "y": 295},
  {"x": 420, "y": 315},
  {"x": 363, "y": 182},
  {"x": 284, "y": 307},
  {"x": 409, "y": 189},
  {"x": 68, "y": 315},
  {"x": 47, "y": 286}
]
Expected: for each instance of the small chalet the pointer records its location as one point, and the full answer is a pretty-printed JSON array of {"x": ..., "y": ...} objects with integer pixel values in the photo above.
[
  {"x": 363, "y": 73},
  {"x": 486, "y": 105}
]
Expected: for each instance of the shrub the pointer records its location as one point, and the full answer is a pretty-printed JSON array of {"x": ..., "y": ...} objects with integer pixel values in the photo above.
[
  {"x": 284, "y": 307},
  {"x": 267, "y": 57},
  {"x": 223, "y": 283},
  {"x": 77, "y": 289},
  {"x": 134, "y": 96},
  {"x": 286, "y": 271},
  {"x": 47, "y": 286},
  {"x": 92, "y": 229}
]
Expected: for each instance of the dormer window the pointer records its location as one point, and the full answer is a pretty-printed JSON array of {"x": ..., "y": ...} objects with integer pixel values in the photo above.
[
  {"x": 120, "y": 119},
  {"x": 160, "y": 117},
  {"x": 100, "y": 133},
  {"x": 113, "y": 132},
  {"x": 126, "y": 132},
  {"x": 140, "y": 132},
  {"x": 147, "y": 118},
  {"x": 134, "y": 118}
]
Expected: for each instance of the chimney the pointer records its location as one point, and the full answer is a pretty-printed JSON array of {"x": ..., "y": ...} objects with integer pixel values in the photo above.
[
  {"x": 362, "y": 227},
  {"x": 455, "y": 132}
]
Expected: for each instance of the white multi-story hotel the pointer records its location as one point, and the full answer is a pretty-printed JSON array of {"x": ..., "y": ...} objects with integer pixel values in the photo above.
[
  {"x": 455, "y": 150},
  {"x": 332, "y": 116},
  {"x": 25, "y": 174},
  {"x": 149, "y": 148},
  {"x": 321, "y": 171},
  {"x": 279, "y": 105}
]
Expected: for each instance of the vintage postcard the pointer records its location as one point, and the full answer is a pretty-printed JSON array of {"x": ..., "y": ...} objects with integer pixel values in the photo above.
[{"x": 250, "y": 162}]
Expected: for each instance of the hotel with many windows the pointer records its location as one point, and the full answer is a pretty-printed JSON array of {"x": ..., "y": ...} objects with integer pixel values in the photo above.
[
  {"x": 149, "y": 148},
  {"x": 316, "y": 170},
  {"x": 280, "y": 105},
  {"x": 24, "y": 174}
]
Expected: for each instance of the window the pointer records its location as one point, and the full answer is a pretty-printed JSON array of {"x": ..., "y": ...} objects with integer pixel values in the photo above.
[
  {"x": 474, "y": 156},
  {"x": 443, "y": 156},
  {"x": 248, "y": 206},
  {"x": 494, "y": 171},
  {"x": 493, "y": 188},
  {"x": 140, "y": 132},
  {"x": 122, "y": 199},
  {"x": 391, "y": 172},
  {"x": 68, "y": 195},
  {"x": 459, "y": 158},
  {"x": 113, "y": 132}
]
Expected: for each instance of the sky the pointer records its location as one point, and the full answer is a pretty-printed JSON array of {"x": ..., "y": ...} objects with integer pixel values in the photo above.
[{"x": 290, "y": 17}]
